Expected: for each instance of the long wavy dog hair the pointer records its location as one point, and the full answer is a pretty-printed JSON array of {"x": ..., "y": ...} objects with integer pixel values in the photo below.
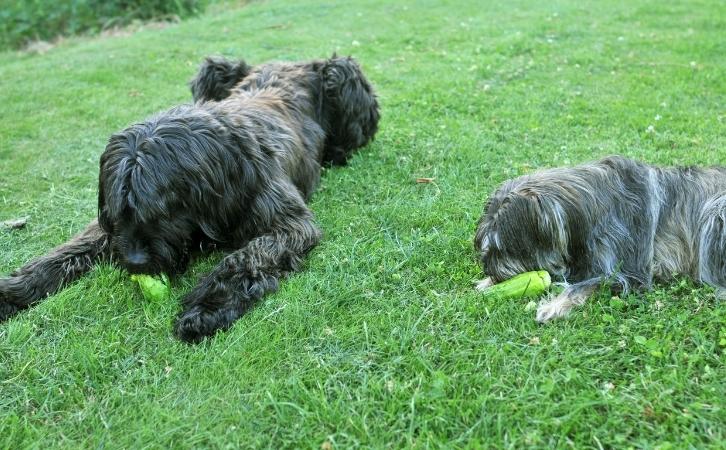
[
  {"x": 233, "y": 170},
  {"x": 616, "y": 222}
]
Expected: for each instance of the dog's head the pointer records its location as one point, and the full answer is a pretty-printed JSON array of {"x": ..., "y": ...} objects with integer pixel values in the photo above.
[
  {"x": 216, "y": 78},
  {"x": 349, "y": 108},
  {"x": 522, "y": 229},
  {"x": 156, "y": 181}
]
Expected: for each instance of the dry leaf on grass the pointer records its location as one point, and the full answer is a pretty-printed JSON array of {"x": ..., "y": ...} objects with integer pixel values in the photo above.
[{"x": 15, "y": 224}]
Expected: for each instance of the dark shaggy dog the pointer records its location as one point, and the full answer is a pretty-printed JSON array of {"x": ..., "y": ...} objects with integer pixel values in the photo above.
[
  {"x": 617, "y": 221},
  {"x": 233, "y": 170}
]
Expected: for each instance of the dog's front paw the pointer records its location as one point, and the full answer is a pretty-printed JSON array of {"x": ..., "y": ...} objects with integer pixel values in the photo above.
[
  {"x": 9, "y": 289},
  {"x": 207, "y": 311},
  {"x": 195, "y": 324},
  {"x": 484, "y": 284},
  {"x": 220, "y": 299},
  {"x": 8, "y": 310},
  {"x": 551, "y": 310}
]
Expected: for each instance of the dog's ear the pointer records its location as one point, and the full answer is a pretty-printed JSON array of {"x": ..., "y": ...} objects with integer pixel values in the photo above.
[
  {"x": 543, "y": 213},
  {"x": 216, "y": 77},
  {"x": 350, "y": 109},
  {"x": 109, "y": 176},
  {"x": 104, "y": 219}
]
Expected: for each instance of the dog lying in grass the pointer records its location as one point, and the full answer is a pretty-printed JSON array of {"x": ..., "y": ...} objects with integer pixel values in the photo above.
[
  {"x": 235, "y": 168},
  {"x": 616, "y": 222}
]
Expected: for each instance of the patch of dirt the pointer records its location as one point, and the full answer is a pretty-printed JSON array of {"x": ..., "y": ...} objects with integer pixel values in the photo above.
[{"x": 41, "y": 47}]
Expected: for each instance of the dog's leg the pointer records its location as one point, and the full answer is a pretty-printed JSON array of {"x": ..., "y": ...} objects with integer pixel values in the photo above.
[
  {"x": 243, "y": 277},
  {"x": 45, "y": 275},
  {"x": 573, "y": 295}
]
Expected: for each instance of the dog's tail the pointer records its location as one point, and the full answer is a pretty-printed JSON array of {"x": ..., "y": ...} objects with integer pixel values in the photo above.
[
  {"x": 712, "y": 244},
  {"x": 216, "y": 78}
]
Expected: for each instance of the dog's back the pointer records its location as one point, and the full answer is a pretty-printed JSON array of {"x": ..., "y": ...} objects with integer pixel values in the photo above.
[{"x": 333, "y": 92}]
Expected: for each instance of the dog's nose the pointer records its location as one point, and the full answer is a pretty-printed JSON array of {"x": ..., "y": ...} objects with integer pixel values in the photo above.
[{"x": 137, "y": 258}]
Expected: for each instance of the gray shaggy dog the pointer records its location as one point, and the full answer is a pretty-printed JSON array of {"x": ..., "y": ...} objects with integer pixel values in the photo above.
[
  {"x": 616, "y": 222},
  {"x": 234, "y": 170}
]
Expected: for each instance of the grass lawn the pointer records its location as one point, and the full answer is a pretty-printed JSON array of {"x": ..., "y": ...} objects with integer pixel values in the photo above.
[{"x": 381, "y": 341}]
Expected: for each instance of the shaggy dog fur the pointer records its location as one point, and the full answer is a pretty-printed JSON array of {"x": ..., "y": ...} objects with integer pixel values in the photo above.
[
  {"x": 233, "y": 170},
  {"x": 616, "y": 222}
]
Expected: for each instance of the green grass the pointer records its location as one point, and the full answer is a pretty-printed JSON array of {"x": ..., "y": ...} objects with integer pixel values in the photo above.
[{"x": 381, "y": 340}]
